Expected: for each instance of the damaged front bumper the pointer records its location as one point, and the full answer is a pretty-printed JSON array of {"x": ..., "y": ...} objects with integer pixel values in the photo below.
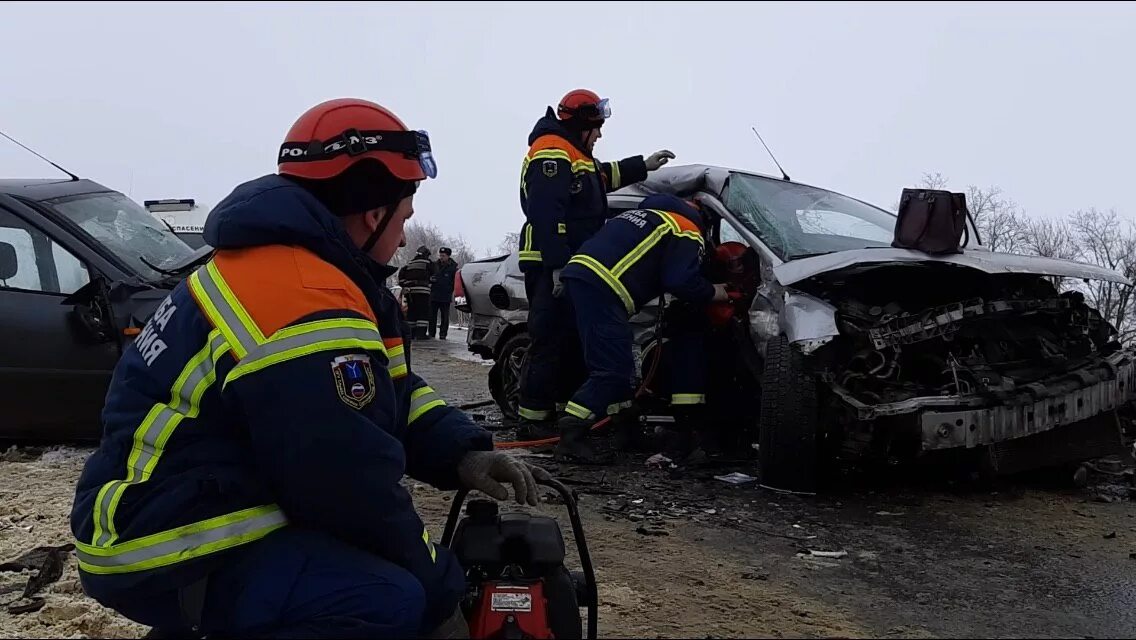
[{"x": 951, "y": 422}]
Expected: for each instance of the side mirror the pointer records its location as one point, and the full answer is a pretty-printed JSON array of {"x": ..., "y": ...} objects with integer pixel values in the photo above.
[
  {"x": 8, "y": 266},
  {"x": 91, "y": 312}
]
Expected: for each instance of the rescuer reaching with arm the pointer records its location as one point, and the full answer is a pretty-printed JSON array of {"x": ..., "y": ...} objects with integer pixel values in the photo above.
[
  {"x": 248, "y": 478},
  {"x": 563, "y": 197}
]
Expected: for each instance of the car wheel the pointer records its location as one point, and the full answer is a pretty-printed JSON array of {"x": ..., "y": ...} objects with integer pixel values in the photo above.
[
  {"x": 505, "y": 376},
  {"x": 789, "y": 425}
]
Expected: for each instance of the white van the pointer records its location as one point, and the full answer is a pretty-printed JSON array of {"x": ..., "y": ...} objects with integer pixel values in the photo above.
[{"x": 184, "y": 216}]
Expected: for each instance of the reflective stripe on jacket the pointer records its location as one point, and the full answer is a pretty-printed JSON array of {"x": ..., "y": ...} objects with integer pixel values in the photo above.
[
  {"x": 563, "y": 194},
  {"x": 270, "y": 388},
  {"x": 642, "y": 254}
]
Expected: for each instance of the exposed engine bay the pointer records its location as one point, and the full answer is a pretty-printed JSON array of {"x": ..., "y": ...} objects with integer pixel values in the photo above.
[{"x": 911, "y": 331}]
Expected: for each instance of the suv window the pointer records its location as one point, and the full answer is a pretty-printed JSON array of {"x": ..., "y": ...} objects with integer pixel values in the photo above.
[{"x": 41, "y": 264}]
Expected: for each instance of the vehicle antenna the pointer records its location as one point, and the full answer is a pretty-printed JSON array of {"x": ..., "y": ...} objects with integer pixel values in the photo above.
[
  {"x": 784, "y": 176},
  {"x": 73, "y": 176}
]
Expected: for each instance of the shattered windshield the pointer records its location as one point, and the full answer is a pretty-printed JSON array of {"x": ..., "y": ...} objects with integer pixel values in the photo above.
[
  {"x": 127, "y": 229},
  {"x": 796, "y": 220}
]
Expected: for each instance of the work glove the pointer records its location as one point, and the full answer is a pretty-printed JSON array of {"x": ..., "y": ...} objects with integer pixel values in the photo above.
[
  {"x": 486, "y": 470},
  {"x": 557, "y": 287},
  {"x": 658, "y": 159}
]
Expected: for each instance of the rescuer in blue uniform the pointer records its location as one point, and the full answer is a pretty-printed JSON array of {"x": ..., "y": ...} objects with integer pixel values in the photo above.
[
  {"x": 256, "y": 432},
  {"x": 563, "y": 196},
  {"x": 636, "y": 257}
]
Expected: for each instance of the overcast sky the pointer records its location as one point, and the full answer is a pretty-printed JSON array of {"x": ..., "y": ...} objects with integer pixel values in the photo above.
[{"x": 189, "y": 100}]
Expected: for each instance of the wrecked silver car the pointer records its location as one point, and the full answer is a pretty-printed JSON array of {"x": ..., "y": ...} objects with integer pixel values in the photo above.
[
  {"x": 865, "y": 350},
  {"x": 844, "y": 347}
]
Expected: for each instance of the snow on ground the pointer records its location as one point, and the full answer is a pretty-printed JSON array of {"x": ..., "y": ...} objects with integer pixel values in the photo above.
[{"x": 455, "y": 347}]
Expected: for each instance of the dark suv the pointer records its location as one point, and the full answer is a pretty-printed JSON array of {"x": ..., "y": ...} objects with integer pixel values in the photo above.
[{"x": 82, "y": 267}]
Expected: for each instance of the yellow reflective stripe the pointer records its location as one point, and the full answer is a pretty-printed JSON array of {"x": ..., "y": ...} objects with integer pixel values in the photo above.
[
  {"x": 561, "y": 228},
  {"x": 208, "y": 296},
  {"x": 429, "y": 545},
  {"x": 667, "y": 218},
  {"x": 304, "y": 339},
  {"x": 615, "y": 408},
  {"x": 676, "y": 228},
  {"x": 155, "y": 430},
  {"x": 235, "y": 305},
  {"x": 579, "y": 411},
  {"x": 527, "y": 254},
  {"x": 641, "y": 249},
  {"x": 550, "y": 154},
  {"x": 688, "y": 398},
  {"x": 396, "y": 365},
  {"x": 614, "y": 175},
  {"x": 533, "y": 414},
  {"x": 183, "y": 543},
  {"x": 605, "y": 275},
  {"x": 584, "y": 165},
  {"x": 422, "y": 400}
]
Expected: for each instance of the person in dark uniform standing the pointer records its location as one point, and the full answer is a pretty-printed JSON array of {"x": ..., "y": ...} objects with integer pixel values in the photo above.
[
  {"x": 442, "y": 293},
  {"x": 414, "y": 277},
  {"x": 563, "y": 196}
]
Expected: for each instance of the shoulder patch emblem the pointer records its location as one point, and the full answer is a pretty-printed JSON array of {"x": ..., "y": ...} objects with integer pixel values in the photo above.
[
  {"x": 354, "y": 379},
  {"x": 549, "y": 168}
]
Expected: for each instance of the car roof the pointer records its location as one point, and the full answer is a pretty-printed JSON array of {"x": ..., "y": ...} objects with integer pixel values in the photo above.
[
  {"x": 686, "y": 179},
  {"x": 41, "y": 189}
]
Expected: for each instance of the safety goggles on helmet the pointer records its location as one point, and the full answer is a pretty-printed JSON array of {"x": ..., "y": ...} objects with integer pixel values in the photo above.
[
  {"x": 598, "y": 111},
  {"x": 352, "y": 142}
]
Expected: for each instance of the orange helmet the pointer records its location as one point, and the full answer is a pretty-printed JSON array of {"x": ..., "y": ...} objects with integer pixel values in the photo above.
[
  {"x": 584, "y": 104},
  {"x": 334, "y": 135}
]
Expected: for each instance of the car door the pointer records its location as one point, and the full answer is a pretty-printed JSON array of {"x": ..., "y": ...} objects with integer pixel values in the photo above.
[{"x": 52, "y": 380}]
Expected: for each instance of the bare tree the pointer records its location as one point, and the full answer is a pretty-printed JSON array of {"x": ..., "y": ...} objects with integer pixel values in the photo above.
[
  {"x": 999, "y": 220},
  {"x": 1108, "y": 243},
  {"x": 1050, "y": 239},
  {"x": 933, "y": 181},
  {"x": 510, "y": 243},
  {"x": 928, "y": 181}
]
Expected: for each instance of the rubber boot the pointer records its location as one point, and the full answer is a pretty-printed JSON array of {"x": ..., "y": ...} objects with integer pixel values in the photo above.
[
  {"x": 530, "y": 430},
  {"x": 576, "y": 444},
  {"x": 625, "y": 429},
  {"x": 685, "y": 449}
]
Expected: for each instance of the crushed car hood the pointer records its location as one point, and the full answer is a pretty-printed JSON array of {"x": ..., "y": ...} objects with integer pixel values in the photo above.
[{"x": 987, "y": 261}]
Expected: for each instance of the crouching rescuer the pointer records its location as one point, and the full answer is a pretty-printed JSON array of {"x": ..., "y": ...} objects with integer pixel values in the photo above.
[
  {"x": 255, "y": 436},
  {"x": 636, "y": 257}
]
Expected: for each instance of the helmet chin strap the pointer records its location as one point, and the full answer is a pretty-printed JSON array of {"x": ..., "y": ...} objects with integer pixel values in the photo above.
[{"x": 378, "y": 232}]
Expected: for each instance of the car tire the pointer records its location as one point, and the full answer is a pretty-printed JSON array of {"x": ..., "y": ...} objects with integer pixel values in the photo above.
[
  {"x": 505, "y": 375},
  {"x": 789, "y": 425}
]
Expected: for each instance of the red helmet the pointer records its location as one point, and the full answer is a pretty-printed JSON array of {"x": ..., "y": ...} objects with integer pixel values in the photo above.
[
  {"x": 584, "y": 104},
  {"x": 334, "y": 135}
]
